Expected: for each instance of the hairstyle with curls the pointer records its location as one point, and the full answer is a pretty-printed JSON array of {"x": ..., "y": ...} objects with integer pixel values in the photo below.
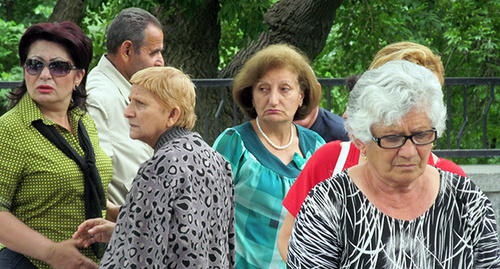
[
  {"x": 383, "y": 96},
  {"x": 412, "y": 52},
  {"x": 276, "y": 56},
  {"x": 73, "y": 39},
  {"x": 172, "y": 88},
  {"x": 129, "y": 24}
]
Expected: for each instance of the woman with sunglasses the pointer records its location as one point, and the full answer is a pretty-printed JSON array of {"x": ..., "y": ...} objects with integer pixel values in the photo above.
[
  {"x": 395, "y": 210},
  {"x": 54, "y": 175}
]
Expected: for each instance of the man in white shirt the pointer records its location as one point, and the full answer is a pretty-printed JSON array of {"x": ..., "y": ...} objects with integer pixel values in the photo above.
[{"x": 134, "y": 42}]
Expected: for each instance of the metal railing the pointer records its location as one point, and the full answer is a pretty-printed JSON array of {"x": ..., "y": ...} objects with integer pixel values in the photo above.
[{"x": 473, "y": 113}]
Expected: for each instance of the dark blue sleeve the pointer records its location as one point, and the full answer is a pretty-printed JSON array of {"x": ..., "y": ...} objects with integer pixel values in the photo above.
[{"x": 329, "y": 126}]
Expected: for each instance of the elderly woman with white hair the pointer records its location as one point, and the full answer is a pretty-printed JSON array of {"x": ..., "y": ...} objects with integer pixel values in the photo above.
[{"x": 395, "y": 210}]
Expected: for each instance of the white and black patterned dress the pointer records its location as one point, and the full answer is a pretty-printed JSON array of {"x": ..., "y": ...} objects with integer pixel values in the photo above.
[
  {"x": 179, "y": 212},
  {"x": 337, "y": 227}
]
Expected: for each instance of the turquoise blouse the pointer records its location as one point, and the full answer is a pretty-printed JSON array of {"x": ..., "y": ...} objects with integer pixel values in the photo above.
[{"x": 261, "y": 182}]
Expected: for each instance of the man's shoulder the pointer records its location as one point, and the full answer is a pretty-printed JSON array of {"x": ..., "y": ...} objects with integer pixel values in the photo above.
[
  {"x": 100, "y": 87},
  {"x": 98, "y": 80},
  {"x": 101, "y": 92},
  {"x": 330, "y": 126},
  {"x": 329, "y": 116},
  {"x": 105, "y": 78}
]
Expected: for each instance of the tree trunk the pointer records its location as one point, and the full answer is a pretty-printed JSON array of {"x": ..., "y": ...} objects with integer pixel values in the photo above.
[
  {"x": 192, "y": 40},
  {"x": 304, "y": 24},
  {"x": 9, "y": 8},
  {"x": 68, "y": 10},
  {"x": 192, "y": 45}
]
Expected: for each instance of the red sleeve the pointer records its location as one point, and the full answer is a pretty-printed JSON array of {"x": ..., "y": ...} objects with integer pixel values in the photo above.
[
  {"x": 446, "y": 165},
  {"x": 450, "y": 166},
  {"x": 318, "y": 168}
]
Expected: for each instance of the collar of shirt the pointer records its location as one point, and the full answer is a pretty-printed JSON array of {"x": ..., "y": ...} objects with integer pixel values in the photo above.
[{"x": 30, "y": 112}]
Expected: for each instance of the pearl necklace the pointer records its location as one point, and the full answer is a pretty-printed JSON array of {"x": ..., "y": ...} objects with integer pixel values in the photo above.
[{"x": 271, "y": 142}]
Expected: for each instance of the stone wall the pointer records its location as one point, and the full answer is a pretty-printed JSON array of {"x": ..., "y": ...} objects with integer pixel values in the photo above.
[{"x": 487, "y": 178}]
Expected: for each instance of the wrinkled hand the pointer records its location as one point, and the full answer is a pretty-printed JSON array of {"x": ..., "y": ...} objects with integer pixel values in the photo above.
[
  {"x": 65, "y": 254},
  {"x": 94, "y": 230}
]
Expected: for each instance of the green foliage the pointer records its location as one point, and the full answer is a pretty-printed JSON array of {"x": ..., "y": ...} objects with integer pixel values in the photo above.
[
  {"x": 473, "y": 37},
  {"x": 26, "y": 12},
  {"x": 240, "y": 21},
  {"x": 15, "y": 16},
  {"x": 244, "y": 18},
  {"x": 10, "y": 33},
  {"x": 10, "y": 70},
  {"x": 95, "y": 26},
  {"x": 4, "y": 101},
  {"x": 466, "y": 34},
  {"x": 43, "y": 10}
]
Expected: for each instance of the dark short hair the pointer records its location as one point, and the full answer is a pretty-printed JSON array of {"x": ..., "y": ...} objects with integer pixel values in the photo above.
[
  {"x": 351, "y": 81},
  {"x": 129, "y": 24},
  {"x": 282, "y": 56},
  {"x": 73, "y": 39}
]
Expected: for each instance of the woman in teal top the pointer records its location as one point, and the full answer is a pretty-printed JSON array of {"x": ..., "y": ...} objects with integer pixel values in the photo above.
[{"x": 274, "y": 88}]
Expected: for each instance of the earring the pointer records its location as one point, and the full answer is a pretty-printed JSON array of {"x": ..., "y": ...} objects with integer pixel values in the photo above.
[{"x": 364, "y": 156}]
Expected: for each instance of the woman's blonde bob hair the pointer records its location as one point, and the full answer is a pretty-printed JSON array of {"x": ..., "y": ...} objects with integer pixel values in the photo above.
[
  {"x": 172, "y": 88},
  {"x": 412, "y": 52},
  {"x": 276, "y": 56}
]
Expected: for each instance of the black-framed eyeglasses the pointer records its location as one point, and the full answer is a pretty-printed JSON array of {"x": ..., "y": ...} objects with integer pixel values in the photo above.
[
  {"x": 397, "y": 141},
  {"x": 56, "y": 68}
]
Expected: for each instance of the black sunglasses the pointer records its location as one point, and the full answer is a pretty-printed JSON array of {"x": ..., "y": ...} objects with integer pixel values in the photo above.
[{"x": 56, "y": 68}]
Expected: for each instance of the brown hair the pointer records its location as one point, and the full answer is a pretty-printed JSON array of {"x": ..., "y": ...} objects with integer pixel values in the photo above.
[
  {"x": 282, "y": 56},
  {"x": 412, "y": 52}
]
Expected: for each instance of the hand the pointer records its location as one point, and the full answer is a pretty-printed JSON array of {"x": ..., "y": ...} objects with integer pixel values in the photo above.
[
  {"x": 94, "y": 230},
  {"x": 65, "y": 254},
  {"x": 112, "y": 211}
]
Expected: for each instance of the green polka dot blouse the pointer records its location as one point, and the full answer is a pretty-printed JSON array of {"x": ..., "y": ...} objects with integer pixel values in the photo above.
[{"x": 39, "y": 184}]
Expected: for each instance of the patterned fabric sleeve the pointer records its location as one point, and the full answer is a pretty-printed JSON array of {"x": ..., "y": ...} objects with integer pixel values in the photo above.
[
  {"x": 486, "y": 245},
  {"x": 230, "y": 145},
  {"x": 11, "y": 164},
  {"x": 315, "y": 241},
  {"x": 483, "y": 225},
  {"x": 128, "y": 245}
]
